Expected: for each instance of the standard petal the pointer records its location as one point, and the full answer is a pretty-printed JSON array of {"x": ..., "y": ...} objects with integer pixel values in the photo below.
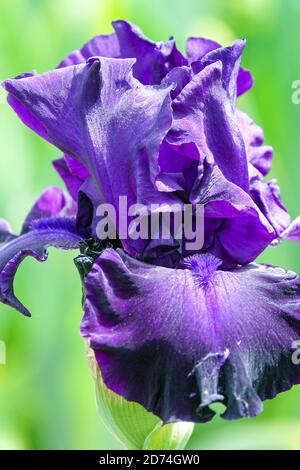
[
  {"x": 109, "y": 119},
  {"x": 203, "y": 114},
  {"x": 231, "y": 59},
  {"x": 198, "y": 48},
  {"x": 112, "y": 124},
  {"x": 153, "y": 59},
  {"x": 205, "y": 336},
  {"x": 58, "y": 232},
  {"x": 101, "y": 46}
]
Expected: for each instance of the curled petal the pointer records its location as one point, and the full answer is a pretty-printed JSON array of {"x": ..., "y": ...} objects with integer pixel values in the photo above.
[
  {"x": 53, "y": 202},
  {"x": 205, "y": 336},
  {"x": 231, "y": 60},
  {"x": 111, "y": 122},
  {"x": 113, "y": 126},
  {"x": 153, "y": 59},
  {"x": 198, "y": 48},
  {"x": 58, "y": 232},
  {"x": 203, "y": 114},
  {"x": 178, "y": 167}
]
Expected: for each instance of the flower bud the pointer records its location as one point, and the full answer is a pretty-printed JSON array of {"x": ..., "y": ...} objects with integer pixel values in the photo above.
[{"x": 133, "y": 425}]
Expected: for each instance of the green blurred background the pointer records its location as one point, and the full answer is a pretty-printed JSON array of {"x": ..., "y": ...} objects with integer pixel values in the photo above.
[{"x": 46, "y": 391}]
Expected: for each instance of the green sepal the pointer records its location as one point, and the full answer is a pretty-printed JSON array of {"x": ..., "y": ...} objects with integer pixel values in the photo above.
[{"x": 132, "y": 424}]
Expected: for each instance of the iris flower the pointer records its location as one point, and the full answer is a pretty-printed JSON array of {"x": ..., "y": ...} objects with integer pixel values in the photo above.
[{"x": 171, "y": 330}]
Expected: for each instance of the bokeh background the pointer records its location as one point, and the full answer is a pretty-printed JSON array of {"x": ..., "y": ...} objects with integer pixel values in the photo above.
[{"x": 46, "y": 392}]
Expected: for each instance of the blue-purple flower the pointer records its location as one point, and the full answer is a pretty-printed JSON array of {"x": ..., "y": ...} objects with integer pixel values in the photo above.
[{"x": 171, "y": 330}]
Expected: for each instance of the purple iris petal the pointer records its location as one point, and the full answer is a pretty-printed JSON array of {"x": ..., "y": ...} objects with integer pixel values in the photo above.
[
  {"x": 58, "y": 232},
  {"x": 98, "y": 102},
  {"x": 244, "y": 231},
  {"x": 244, "y": 81},
  {"x": 292, "y": 232},
  {"x": 50, "y": 222},
  {"x": 203, "y": 114},
  {"x": 154, "y": 59},
  {"x": 112, "y": 124},
  {"x": 104, "y": 109},
  {"x": 259, "y": 155},
  {"x": 199, "y": 49},
  {"x": 205, "y": 336},
  {"x": 53, "y": 202},
  {"x": 178, "y": 78},
  {"x": 136, "y": 118},
  {"x": 73, "y": 173},
  {"x": 178, "y": 167},
  {"x": 196, "y": 48},
  {"x": 231, "y": 59},
  {"x": 266, "y": 194},
  {"x": 102, "y": 46}
]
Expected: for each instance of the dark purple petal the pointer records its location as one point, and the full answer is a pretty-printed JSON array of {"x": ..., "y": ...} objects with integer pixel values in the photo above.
[
  {"x": 72, "y": 183},
  {"x": 178, "y": 167},
  {"x": 53, "y": 202},
  {"x": 112, "y": 124},
  {"x": 153, "y": 59},
  {"x": 58, "y": 232},
  {"x": 205, "y": 336},
  {"x": 243, "y": 232},
  {"x": 97, "y": 102},
  {"x": 203, "y": 114},
  {"x": 244, "y": 81},
  {"x": 72, "y": 172},
  {"x": 102, "y": 46}
]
